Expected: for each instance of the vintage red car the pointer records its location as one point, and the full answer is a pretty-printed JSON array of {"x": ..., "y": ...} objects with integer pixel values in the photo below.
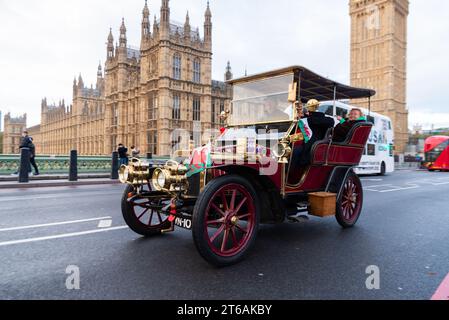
[{"x": 244, "y": 178}]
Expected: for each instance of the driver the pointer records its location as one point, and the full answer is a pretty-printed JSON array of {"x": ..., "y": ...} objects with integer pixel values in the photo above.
[
  {"x": 319, "y": 124},
  {"x": 272, "y": 110}
]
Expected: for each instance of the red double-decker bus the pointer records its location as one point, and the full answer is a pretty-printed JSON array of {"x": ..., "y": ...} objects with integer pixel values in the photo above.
[{"x": 436, "y": 150}]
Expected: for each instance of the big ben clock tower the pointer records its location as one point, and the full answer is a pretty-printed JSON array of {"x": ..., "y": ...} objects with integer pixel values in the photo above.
[{"x": 379, "y": 58}]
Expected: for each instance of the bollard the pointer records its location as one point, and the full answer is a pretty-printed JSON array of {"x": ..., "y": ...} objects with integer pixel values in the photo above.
[
  {"x": 25, "y": 166},
  {"x": 149, "y": 156},
  {"x": 73, "y": 167},
  {"x": 114, "y": 166}
]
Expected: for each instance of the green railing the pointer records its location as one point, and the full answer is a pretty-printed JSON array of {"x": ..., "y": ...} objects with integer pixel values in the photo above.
[
  {"x": 60, "y": 164},
  {"x": 57, "y": 164}
]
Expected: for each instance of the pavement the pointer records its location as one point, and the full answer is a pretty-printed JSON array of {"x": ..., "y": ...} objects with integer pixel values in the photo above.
[
  {"x": 402, "y": 232},
  {"x": 13, "y": 178},
  {"x": 55, "y": 180}
]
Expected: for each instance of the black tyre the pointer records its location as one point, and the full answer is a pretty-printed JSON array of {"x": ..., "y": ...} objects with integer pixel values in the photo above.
[
  {"x": 350, "y": 202},
  {"x": 141, "y": 219},
  {"x": 383, "y": 169},
  {"x": 226, "y": 220}
]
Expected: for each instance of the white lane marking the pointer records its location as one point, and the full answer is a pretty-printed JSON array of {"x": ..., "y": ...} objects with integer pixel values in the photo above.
[
  {"x": 399, "y": 189},
  {"x": 60, "y": 236},
  {"x": 392, "y": 188},
  {"x": 373, "y": 180},
  {"x": 380, "y": 185},
  {"x": 52, "y": 224},
  {"x": 105, "y": 224},
  {"x": 442, "y": 183},
  {"x": 54, "y": 196}
]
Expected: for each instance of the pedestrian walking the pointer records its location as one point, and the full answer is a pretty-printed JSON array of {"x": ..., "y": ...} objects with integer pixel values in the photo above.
[
  {"x": 27, "y": 142},
  {"x": 33, "y": 157}
]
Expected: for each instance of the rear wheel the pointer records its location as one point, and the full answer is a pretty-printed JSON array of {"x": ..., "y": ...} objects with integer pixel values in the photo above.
[
  {"x": 226, "y": 220},
  {"x": 350, "y": 203},
  {"x": 142, "y": 215},
  {"x": 383, "y": 169}
]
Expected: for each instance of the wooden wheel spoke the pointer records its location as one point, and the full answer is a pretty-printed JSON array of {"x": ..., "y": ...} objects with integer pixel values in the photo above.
[
  {"x": 225, "y": 240},
  {"x": 232, "y": 204},
  {"x": 225, "y": 201},
  {"x": 215, "y": 236},
  {"x": 244, "y": 216},
  {"x": 221, "y": 212},
  {"x": 241, "y": 229},
  {"x": 151, "y": 218},
  {"x": 143, "y": 213},
  {"x": 142, "y": 205},
  {"x": 241, "y": 204},
  {"x": 218, "y": 221},
  {"x": 229, "y": 219},
  {"x": 159, "y": 216}
]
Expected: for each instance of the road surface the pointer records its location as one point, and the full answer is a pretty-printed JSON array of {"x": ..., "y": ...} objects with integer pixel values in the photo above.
[{"x": 403, "y": 231}]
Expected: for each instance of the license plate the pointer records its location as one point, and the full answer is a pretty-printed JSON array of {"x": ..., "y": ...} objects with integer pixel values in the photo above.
[{"x": 183, "y": 223}]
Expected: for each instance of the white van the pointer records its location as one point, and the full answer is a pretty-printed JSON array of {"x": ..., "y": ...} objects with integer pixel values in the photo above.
[{"x": 378, "y": 157}]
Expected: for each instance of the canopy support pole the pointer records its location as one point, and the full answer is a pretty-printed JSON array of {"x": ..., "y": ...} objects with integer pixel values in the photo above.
[
  {"x": 335, "y": 101},
  {"x": 369, "y": 106}
]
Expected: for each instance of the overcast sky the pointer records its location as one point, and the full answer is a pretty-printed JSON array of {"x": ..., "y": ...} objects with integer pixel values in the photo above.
[{"x": 45, "y": 43}]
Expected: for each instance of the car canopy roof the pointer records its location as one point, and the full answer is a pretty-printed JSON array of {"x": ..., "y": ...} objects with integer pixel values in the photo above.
[{"x": 313, "y": 86}]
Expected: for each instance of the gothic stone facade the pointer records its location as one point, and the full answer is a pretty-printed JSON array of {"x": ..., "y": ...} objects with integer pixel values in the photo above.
[
  {"x": 162, "y": 94},
  {"x": 79, "y": 126},
  {"x": 378, "y": 58},
  {"x": 157, "y": 97},
  {"x": 13, "y": 133}
]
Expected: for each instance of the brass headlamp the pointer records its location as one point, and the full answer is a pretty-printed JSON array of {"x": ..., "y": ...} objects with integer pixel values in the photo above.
[
  {"x": 172, "y": 177},
  {"x": 135, "y": 173}
]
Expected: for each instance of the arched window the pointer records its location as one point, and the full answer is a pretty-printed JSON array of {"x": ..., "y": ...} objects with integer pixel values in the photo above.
[
  {"x": 177, "y": 66},
  {"x": 196, "y": 109},
  {"x": 197, "y": 70},
  {"x": 176, "y": 107}
]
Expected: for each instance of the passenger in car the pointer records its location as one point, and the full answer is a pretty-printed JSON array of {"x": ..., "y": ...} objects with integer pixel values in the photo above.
[
  {"x": 314, "y": 126},
  {"x": 341, "y": 131}
]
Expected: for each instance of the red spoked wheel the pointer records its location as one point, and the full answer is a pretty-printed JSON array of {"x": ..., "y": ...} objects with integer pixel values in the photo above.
[
  {"x": 143, "y": 215},
  {"x": 350, "y": 203},
  {"x": 226, "y": 220}
]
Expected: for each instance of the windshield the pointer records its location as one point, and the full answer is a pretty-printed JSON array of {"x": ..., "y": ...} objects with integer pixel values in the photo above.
[{"x": 262, "y": 101}]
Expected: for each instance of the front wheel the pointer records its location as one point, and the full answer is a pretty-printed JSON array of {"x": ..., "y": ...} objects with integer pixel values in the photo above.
[
  {"x": 142, "y": 215},
  {"x": 226, "y": 220},
  {"x": 350, "y": 202}
]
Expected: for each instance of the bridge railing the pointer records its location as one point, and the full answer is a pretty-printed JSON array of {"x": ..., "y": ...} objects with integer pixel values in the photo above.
[{"x": 58, "y": 164}]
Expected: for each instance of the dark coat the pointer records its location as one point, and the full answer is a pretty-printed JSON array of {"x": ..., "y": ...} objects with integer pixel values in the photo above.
[
  {"x": 27, "y": 142},
  {"x": 122, "y": 152},
  {"x": 342, "y": 130},
  {"x": 319, "y": 123}
]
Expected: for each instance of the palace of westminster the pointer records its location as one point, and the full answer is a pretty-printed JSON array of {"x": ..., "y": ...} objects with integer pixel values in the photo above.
[{"x": 146, "y": 94}]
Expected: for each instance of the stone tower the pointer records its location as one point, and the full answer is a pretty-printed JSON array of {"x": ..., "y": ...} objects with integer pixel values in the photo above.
[
  {"x": 162, "y": 92},
  {"x": 378, "y": 58},
  {"x": 14, "y": 126},
  {"x": 157, "y": 96}
]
